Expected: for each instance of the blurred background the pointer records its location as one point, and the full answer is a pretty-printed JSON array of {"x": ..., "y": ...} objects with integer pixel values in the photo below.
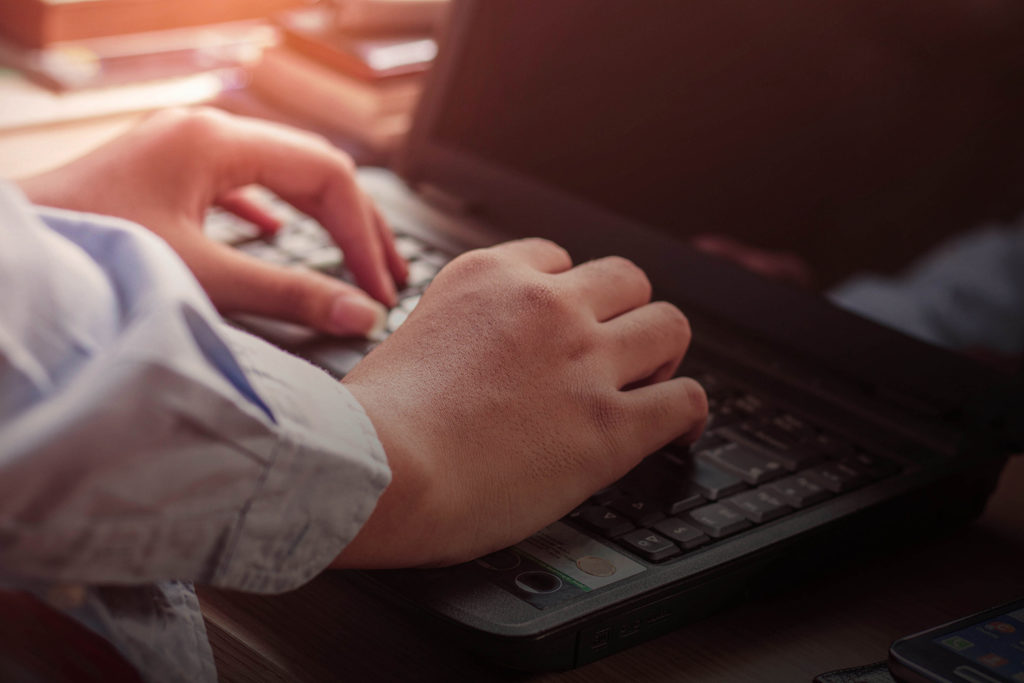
[
  {"x": 853, "y": 134},
  {"x": 351, "y": 69}
]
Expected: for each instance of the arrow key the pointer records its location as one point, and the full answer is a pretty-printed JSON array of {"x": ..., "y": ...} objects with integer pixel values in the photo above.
[
  {"x": 649, "y": 545},
  {"x": 604, "y": 521},
  {"x": 638, "y": 510}
]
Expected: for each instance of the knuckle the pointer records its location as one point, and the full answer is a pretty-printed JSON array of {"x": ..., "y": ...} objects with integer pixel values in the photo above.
[
  {"x": 561, "y": 252},
  {"x": 342, "y": 160},
  {"x": 543, "y": 244},
  {"x": 632, "y": 272},
  {"x": 196, "y": 129},
  {"x": 479, "y": 262},
  {"x": 675, "y": 320},
  {"x": 539, "y": 244},
  {"x": 539, "y": 296},
  {"x": 201, "y": 121}
]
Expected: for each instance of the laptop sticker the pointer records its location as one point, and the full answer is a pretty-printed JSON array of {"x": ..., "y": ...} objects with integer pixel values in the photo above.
[{"x": 556, "y": 564}]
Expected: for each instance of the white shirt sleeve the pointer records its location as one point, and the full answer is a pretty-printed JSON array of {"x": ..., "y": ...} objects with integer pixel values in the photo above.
[
  {"x": 142, "y": 439},
  {"x": 967, "y": 293}
]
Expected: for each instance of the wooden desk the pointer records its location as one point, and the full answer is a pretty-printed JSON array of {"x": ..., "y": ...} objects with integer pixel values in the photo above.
[{"x": 330, "y": 630}]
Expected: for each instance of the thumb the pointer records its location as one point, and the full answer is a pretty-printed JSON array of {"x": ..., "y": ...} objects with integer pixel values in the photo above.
[{"x": 238, "y": 283}]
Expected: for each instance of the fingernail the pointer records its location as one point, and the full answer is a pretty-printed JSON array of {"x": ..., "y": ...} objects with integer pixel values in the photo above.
[{"x": 356, "y": 314}]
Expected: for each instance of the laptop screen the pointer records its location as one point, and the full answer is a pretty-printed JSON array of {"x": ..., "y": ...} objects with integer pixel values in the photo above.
[
  {"x": 590, "y": 73},
  {"x": 796, "y": 125},
  {"x": 787, "y": 126}
]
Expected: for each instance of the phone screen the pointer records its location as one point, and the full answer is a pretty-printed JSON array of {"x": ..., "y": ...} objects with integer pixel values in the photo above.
[{"x": 997, "y": 643}]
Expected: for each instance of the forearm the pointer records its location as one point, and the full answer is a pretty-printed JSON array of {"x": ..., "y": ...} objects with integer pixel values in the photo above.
[{"x": 144, "y": 440}]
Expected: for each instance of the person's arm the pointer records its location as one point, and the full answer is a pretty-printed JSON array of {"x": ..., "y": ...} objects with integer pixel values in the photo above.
[
  {"x": 167, "y": 171},
  {"x": 142, "y": 439},
  {"x": 519, "y": 386}
]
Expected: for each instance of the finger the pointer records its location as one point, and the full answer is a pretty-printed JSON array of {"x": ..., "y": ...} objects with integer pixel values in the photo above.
[
  {"x": 544, "y": 255},
  {"x": 236, "y": 202},
  {"x": 611, "y": 286},
  {"x": 241, "y": 284},
  {"x": 648, "y": 343},
  {"x": 360, "y": 239},
  {"x": 318, "y": 179},
  {"x": 676, "y": 409},
  {"x": 396, "y": 264}
]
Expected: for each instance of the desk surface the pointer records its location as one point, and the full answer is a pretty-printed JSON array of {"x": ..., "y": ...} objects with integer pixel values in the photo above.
[{"x": 330, "y": 630}]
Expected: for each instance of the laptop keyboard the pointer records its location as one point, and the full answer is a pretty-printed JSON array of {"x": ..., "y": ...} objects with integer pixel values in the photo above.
[{"x": 754, "y": 464}]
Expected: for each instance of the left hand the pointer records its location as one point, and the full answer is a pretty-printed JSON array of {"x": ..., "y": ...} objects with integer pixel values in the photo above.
[{"x": 167, "y": 171}]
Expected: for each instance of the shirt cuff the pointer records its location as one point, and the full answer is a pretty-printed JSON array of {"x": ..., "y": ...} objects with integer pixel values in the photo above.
[{"x": 322, "y": 484}]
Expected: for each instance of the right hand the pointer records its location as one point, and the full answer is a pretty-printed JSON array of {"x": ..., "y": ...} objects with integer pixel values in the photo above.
[{"x": 519, "y": 386}]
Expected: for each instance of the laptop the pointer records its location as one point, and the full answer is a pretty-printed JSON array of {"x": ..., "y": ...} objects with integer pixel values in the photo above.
[{"x": 830, "y": 436}]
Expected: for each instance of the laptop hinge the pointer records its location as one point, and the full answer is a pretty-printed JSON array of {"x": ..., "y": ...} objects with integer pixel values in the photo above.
[{"x": 444, "y": 200}]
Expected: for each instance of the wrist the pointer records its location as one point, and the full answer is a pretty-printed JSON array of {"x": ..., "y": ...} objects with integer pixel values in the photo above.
[{"x": 402, "y": 530}]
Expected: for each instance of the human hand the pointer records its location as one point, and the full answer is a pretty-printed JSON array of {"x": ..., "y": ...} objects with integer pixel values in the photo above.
[
  {"x": 518, "y": 386},
  {"x": 167, "y": 171}
]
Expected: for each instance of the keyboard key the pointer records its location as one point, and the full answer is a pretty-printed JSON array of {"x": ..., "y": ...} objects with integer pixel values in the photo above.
[
  {"x": 409, "y": 303},
  {"x": 662, "y": 480},
  {"x": 793, "y": 456},
  {"x": 297, "y": 245},
  {"x": 323, "y": 258},
  {"x": 606, "y": 522},
  {"x": 408, "y": 247},
  {"x": 604, "y": 496},
  {"x": 874, "y": 466},
  {"x": 421, "y": 273},
  {"x": 713, "y": 483},
  {"x": 794, "y": 426},
  {"x": 750, "y": 404},
  {"x": 434, "y": 258},
  {"x": 221, "y": 226},
  {"x": 761, "y": 505},
  {"x": 799, "y": 491},
  {"x": 832, "y": 446},
  {"x": 707, "y": 441},
  {"x": 770, "y": 436},
  {"x": 649, "y": 545},
  {"x": 837, "y": 477},
  {"x": 722, "y": 413},
  {"x": 752, "y": 466},
  {"x": 719, "y": 520},
  {"x": 396, "y": 317},
  {"x": 686, "y": 535},
  {"x": 636, "y": 509}
]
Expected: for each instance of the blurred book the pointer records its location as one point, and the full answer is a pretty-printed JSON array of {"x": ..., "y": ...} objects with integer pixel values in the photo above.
[
  {"x": 135, "y": 57},
  {"x": 37, "y": 23},
  {"x": 377, "y": 113},
  {"x": 314, "y": 33},
  {"x": 391, "y": 16},
  {"x": 24, "y": 103}
]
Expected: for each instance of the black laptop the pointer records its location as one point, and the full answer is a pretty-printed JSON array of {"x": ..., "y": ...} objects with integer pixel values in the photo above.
[{"x": 830, "y": 436}]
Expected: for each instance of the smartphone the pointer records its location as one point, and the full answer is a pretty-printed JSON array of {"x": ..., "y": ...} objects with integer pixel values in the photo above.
[{"x": 987, "y": 647}]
